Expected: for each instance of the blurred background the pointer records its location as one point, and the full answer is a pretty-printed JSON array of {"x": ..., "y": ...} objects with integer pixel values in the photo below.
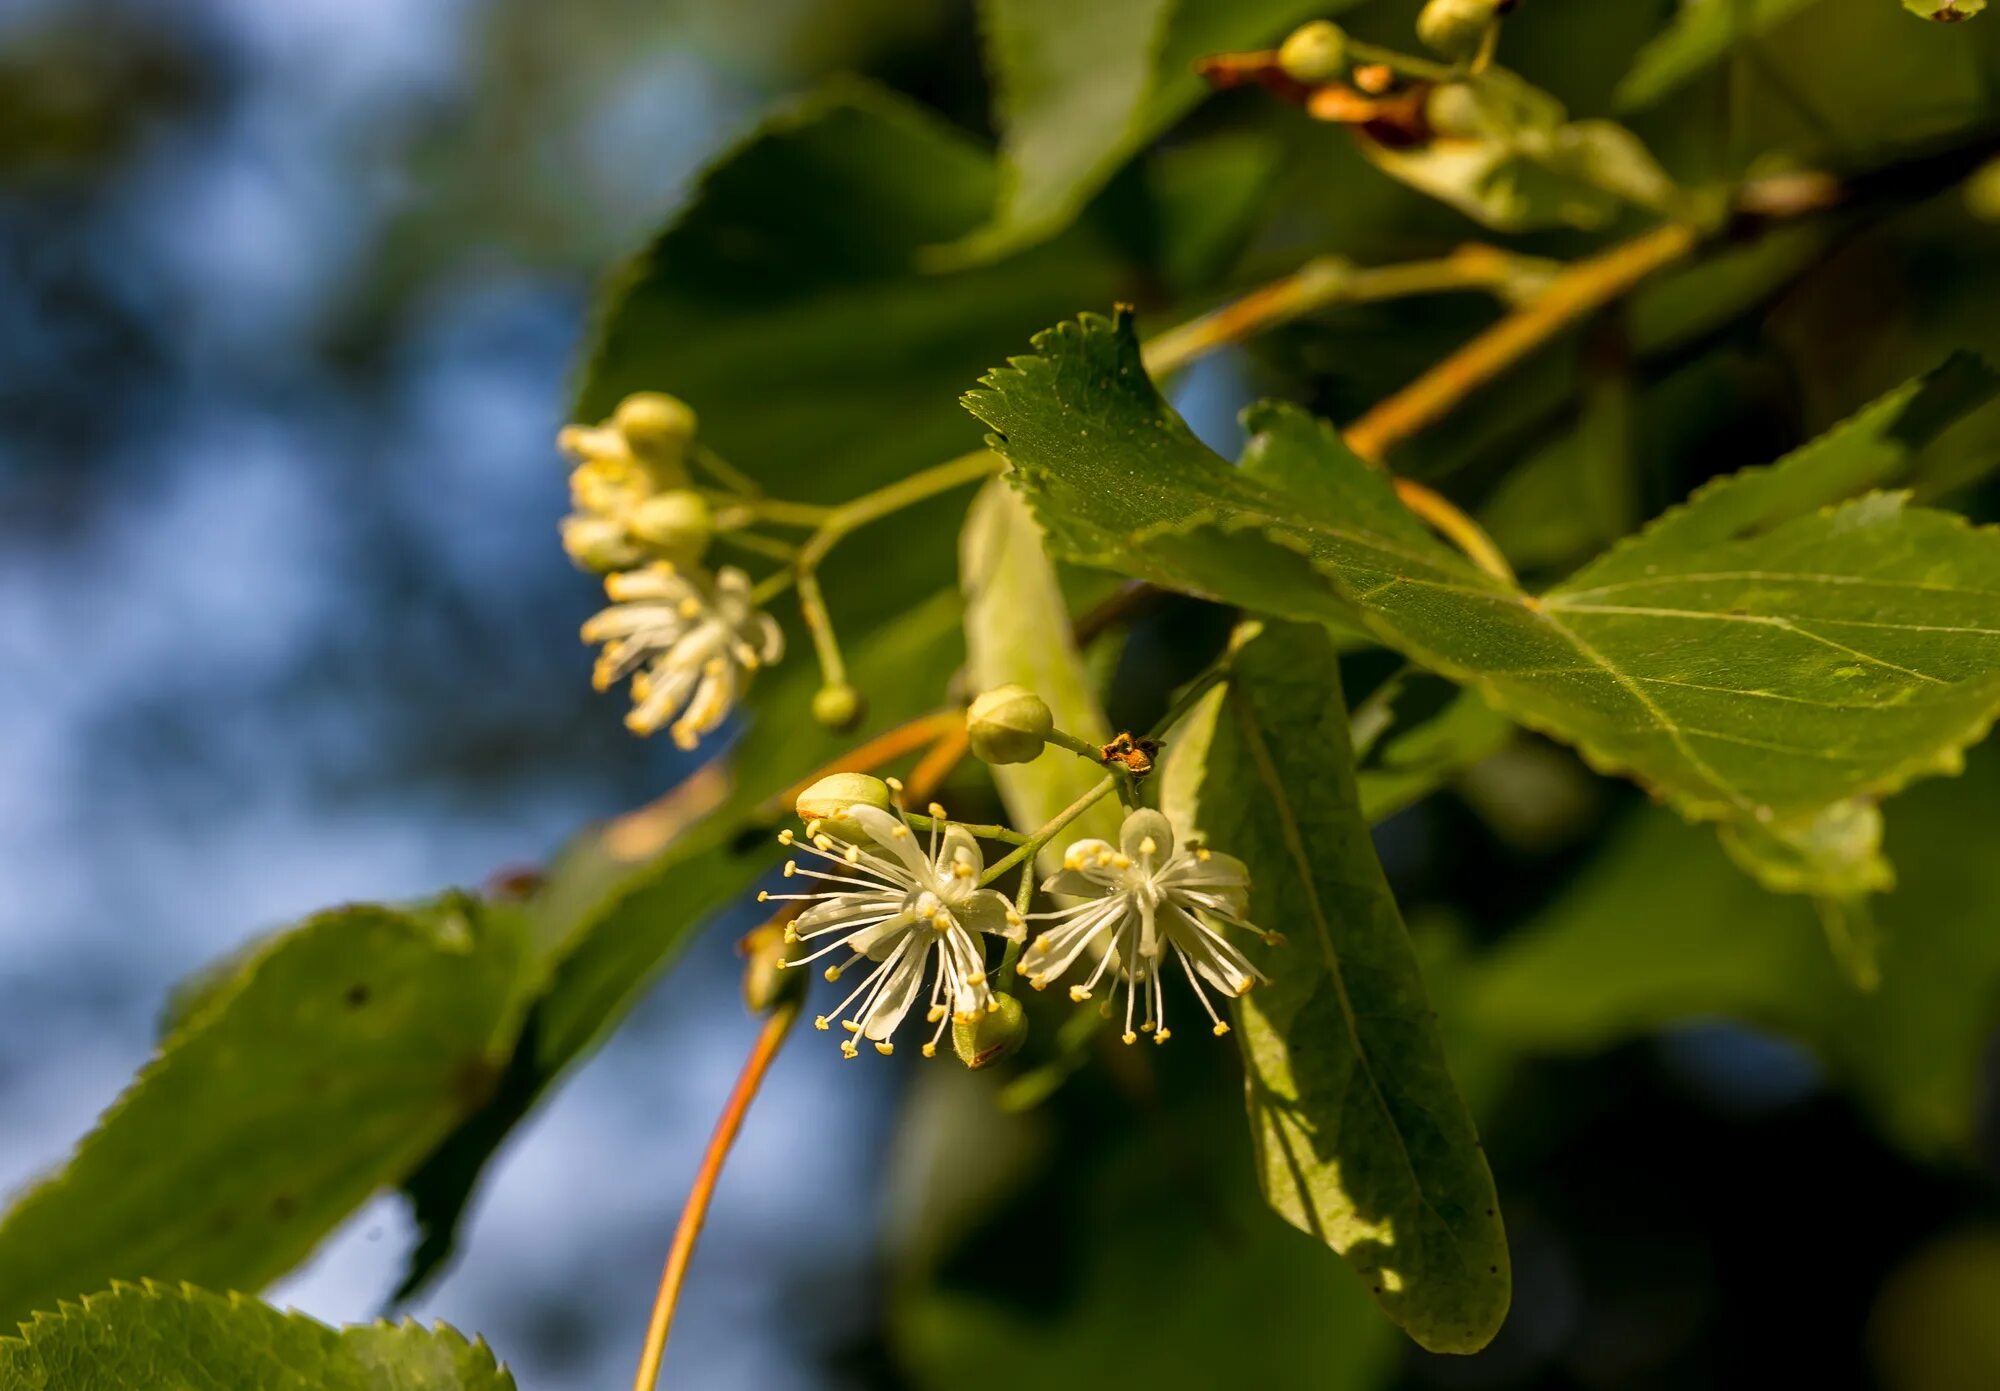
[{"x": 289, "y": 294}]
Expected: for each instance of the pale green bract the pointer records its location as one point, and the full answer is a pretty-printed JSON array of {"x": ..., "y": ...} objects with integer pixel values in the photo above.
[{"x": 1756, "y": 655}]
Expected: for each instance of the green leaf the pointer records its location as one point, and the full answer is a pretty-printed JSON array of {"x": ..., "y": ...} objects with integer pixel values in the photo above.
[
  {"x": 1362, "y": 1138},
  {"x": 1615, "y": 957},
  {"x": 1701, "y": 35},
  {"x": 1414, "y": 762},
  {"x": 1017, "y": 630},
  {"x": 153, "y": 1336},
  {"x": 1079, "y": 89},
  {"x": 785, "y": 305},
  {"x": 1149, "y": 1252},
  {"x": 1507, "y": 156},
  {"x": 349, "y": 1048},
  {"x": 1744, "y": 657}
]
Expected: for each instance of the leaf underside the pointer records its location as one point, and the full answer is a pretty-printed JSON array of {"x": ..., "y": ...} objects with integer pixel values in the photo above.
[
  {"x": 1362, "y": 1139},
  {"x": 350, "y": 1046}
]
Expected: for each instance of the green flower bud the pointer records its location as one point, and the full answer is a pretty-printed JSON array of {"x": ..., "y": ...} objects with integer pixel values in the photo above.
[
  {"x": 1008, "y": 724},
  {"x": 1455, "y": 27},
  {"x": 826, "y": 802},
  {"x": 655, "y": 424},
  {"x": 598, "y": 544},
  {"x": 1982, "y": 192},
  {"x": 766, "y": 982},
  {"x": 1945, "y": 11},
  {"x": 1452, "y": 110},
  {"x": 993, "y": 1035},
  {"x": 1314, "y": 53},
  {"x": 677, "y": 524},
  {"x": 837, "y": 706}
]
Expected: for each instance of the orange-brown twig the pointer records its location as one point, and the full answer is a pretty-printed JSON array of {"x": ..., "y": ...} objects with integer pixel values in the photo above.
[
  {"x": 885, "y": 747},
  {"x": 1569, "y": 296},
  {"x": 769, "y": 1039}
]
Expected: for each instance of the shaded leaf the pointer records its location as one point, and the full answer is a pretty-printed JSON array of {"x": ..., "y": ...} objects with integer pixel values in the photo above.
[
  {"x": 1614, "y": 957},
  {"x": 1701, "y": 35},
  {"x": 1079, "y": 89},
  {"x": 1148, "y": 1290},
  {"x": 1361, "y": 1136},
  {"x": 158, "y": 1337},
  {"x": 349, "y": 1048},
  {"x": 1411, "y": 763},
  {"x": 1743, "y": 657},
  {"x": 1017, "y": 630}
]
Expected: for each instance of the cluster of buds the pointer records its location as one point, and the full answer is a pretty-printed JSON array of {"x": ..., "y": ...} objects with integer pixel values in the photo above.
[
  {"x": 689, "y": 638},
  {"x": 629, "y": 487}
]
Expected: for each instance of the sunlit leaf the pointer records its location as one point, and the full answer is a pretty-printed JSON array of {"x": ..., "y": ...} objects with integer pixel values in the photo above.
[
  {"x": 1362, "y": 1139},
  {"x": 350, "y": 1047},
  {"x": 160, "y": 1337},
  {"x": 1744, "y": 657}
]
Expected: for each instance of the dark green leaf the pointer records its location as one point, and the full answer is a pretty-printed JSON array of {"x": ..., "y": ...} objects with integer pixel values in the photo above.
[
  {"x": 1152, "y": 1255},
  {"x": 163, "y": 1339},
  {"x": 1079, "y": 89},
  {"x": 1615, "y": 956},
  {"x": 1703, "y": 33},
  {"x": 350, "y": 1047},
  {"x": 1745, "y": 657},
  {"x": 1362, "y": 1138}
]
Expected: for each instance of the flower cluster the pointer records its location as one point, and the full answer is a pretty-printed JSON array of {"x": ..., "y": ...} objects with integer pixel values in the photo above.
[
  {"x": 905, "y": 900},
  {"x": 629, "y": 487},
  {"x": 689, "y": 638},
  {"x": 911, "y": 911}
]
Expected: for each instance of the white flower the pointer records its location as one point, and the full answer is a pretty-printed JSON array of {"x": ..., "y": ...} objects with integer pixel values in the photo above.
[
  {"x": 1142, "y": 898},
  {"x": 902, "y": 905},
  {"x": 688, "y": 642}
]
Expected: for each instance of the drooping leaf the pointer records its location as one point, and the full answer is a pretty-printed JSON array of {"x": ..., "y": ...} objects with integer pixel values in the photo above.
[
  {"x": 791, "y": 274},
  {"x": 1079, "y": 89},
  {"x": 1614, "y": 956},
  {"x": 351, "y": 1046},
  {"x": 1362, "y": 1139},
  {"x": 1701, "y": 35},
  {"x": 1507, "y": 155},
  {"x": 1017, "y": 630},
  {"x": 1744, "y": 657},
  {"x": 154, "y": 1336}
]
